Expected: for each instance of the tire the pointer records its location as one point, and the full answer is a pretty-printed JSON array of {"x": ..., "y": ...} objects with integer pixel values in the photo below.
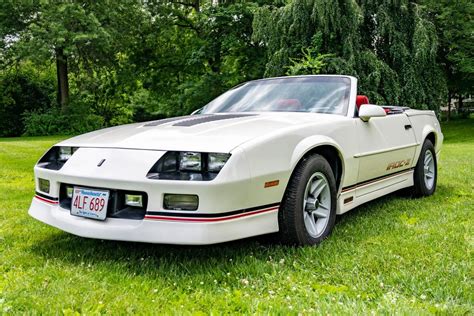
[
  {"x": 426, "y": 171},
  {"x": 312, "y": 175}
]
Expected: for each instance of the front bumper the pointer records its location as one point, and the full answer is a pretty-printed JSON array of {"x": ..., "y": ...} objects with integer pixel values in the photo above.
[
  {"x": 166, "y": 231},
  {"x": 226, "y": 211}
]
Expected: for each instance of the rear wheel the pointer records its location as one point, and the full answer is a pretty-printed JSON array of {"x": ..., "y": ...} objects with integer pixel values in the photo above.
[
  {"x": 426, "y": 172},
  {"x": 308, "y": 210}
]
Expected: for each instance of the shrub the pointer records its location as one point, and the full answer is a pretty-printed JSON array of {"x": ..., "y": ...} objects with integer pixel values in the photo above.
[
  {"x": 19, "y": 92},
  {"x": 145, "y": 106},
  {"x": 54, "y": 123}
]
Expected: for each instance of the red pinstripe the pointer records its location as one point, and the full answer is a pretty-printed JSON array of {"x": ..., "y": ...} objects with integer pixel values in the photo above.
[
  {"x": 190, "y": 219},
  {"x": 46, "y": 200}
]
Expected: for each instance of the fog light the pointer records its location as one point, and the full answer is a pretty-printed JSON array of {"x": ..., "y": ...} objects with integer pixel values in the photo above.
[
  {"x": 134, "y": 200},
  {"x": 181, "y": 202},
  {"x": 69, "y": 191},
  {"x": 43, "y": 185}
]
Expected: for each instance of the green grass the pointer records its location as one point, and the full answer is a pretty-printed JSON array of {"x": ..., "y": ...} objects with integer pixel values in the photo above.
[{"x": 393, "y": 255}]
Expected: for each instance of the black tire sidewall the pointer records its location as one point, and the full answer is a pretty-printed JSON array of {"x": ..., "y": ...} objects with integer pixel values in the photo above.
[
  {"x": 419, "y": 176},
  {"x": 293, "y": 202}
]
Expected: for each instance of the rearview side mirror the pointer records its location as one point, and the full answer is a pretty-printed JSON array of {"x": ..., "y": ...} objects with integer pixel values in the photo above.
[{"x": 366, "y": 111}]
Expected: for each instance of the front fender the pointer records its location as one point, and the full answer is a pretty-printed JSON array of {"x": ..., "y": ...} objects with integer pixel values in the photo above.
[{"x": 312, "y": 142}]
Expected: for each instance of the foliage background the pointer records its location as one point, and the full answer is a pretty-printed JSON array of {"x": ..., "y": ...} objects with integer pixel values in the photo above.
[{"x": 70, "y": 67}]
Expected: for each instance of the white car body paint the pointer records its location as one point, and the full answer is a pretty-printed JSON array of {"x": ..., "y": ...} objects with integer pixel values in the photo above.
[{"x": 264, "y": 147}]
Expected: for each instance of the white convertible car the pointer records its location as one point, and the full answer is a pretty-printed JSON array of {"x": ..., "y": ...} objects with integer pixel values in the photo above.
[{"x": 279, "y": 155}]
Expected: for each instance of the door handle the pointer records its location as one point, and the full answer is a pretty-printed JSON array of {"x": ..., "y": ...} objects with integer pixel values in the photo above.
[{"x": 408, "y": 126}]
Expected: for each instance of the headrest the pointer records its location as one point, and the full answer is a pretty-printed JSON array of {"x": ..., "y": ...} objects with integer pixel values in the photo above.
[{"x": 361, "y": 99}]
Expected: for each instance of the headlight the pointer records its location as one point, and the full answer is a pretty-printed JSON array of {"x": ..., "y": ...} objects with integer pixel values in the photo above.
[
  {"x": 56, "y": 157},
  {"x": 186, "y": 165},
  {"x": 216, "y": 162},
  {"x": 65, "y": 153},
  {"x": 190, "y": 161}
]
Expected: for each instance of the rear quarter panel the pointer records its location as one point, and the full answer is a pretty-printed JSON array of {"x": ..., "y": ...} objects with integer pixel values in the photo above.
[{"x": 424, "y": 123}]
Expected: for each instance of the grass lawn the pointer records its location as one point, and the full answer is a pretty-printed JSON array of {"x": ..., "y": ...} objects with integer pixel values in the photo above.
[{"x": 393, "y": 255}]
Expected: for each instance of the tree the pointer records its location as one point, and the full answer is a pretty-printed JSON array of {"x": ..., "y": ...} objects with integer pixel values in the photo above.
[
  {"x": 454, "y": 25},
  {"x": 23, "y": 90},
  {"x": 139, "y": 60},
  {"x": 312, "y": 62},
  {"x": 77, "y": 35},
  {"x": 389, "y": 45},
  {"x": 200, "y": 49}
]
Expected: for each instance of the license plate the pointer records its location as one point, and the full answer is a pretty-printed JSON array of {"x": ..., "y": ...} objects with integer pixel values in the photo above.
[{"x": 90, "y": 203}]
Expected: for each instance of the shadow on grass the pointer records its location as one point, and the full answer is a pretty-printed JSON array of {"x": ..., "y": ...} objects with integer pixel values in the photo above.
[
  {"x": 182, "y": 260},
  {"x": 185, "y": 261}
]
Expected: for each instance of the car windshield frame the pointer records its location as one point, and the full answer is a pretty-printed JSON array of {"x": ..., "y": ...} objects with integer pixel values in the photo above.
[{"x": 303, "y": 94}]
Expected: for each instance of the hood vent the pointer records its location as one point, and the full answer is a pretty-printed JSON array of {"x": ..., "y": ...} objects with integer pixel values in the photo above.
[
  {"x": 191, "y": 120},
  {"x": 199, "y": 119},
  {"x": 168, "y": 120}
]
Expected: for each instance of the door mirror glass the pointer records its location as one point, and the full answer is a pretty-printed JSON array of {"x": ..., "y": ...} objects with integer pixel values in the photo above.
[{"x": 366, "y": 111}]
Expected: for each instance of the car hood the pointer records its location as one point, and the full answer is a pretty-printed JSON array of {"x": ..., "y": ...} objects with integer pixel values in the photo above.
[{"x": 207, "y": 133}]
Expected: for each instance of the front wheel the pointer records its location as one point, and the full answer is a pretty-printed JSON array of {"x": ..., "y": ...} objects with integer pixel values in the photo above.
[
  {"x": 426, "y": 171},
  {"x": 308, "y": 210}
]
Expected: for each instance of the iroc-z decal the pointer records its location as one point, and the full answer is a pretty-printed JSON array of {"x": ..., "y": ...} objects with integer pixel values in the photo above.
[{"x": 398, "y": 164}]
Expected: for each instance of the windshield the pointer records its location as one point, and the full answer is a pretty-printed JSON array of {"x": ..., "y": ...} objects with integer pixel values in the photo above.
[{"x": 293, "y": 94}]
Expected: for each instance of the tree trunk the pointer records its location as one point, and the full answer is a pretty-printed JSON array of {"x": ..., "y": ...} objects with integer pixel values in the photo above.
[
  {"x": 63, "y": 82},
  {"x": 461, "y": 107},
  {"x": 197, "y": 5},
  {"x": 448, "y": 115}
]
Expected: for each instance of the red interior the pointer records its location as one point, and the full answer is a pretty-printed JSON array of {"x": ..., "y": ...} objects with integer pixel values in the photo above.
[
  {"x": 288, "y": 103},
  {"x": 361, "y": 99}
]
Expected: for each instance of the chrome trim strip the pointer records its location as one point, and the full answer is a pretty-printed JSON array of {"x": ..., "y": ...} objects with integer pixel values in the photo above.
[{"x": 371, "y": 153}]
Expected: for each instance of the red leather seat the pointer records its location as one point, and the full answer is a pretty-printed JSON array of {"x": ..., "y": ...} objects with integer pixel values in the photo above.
[{"x": 361, "y": 99}]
